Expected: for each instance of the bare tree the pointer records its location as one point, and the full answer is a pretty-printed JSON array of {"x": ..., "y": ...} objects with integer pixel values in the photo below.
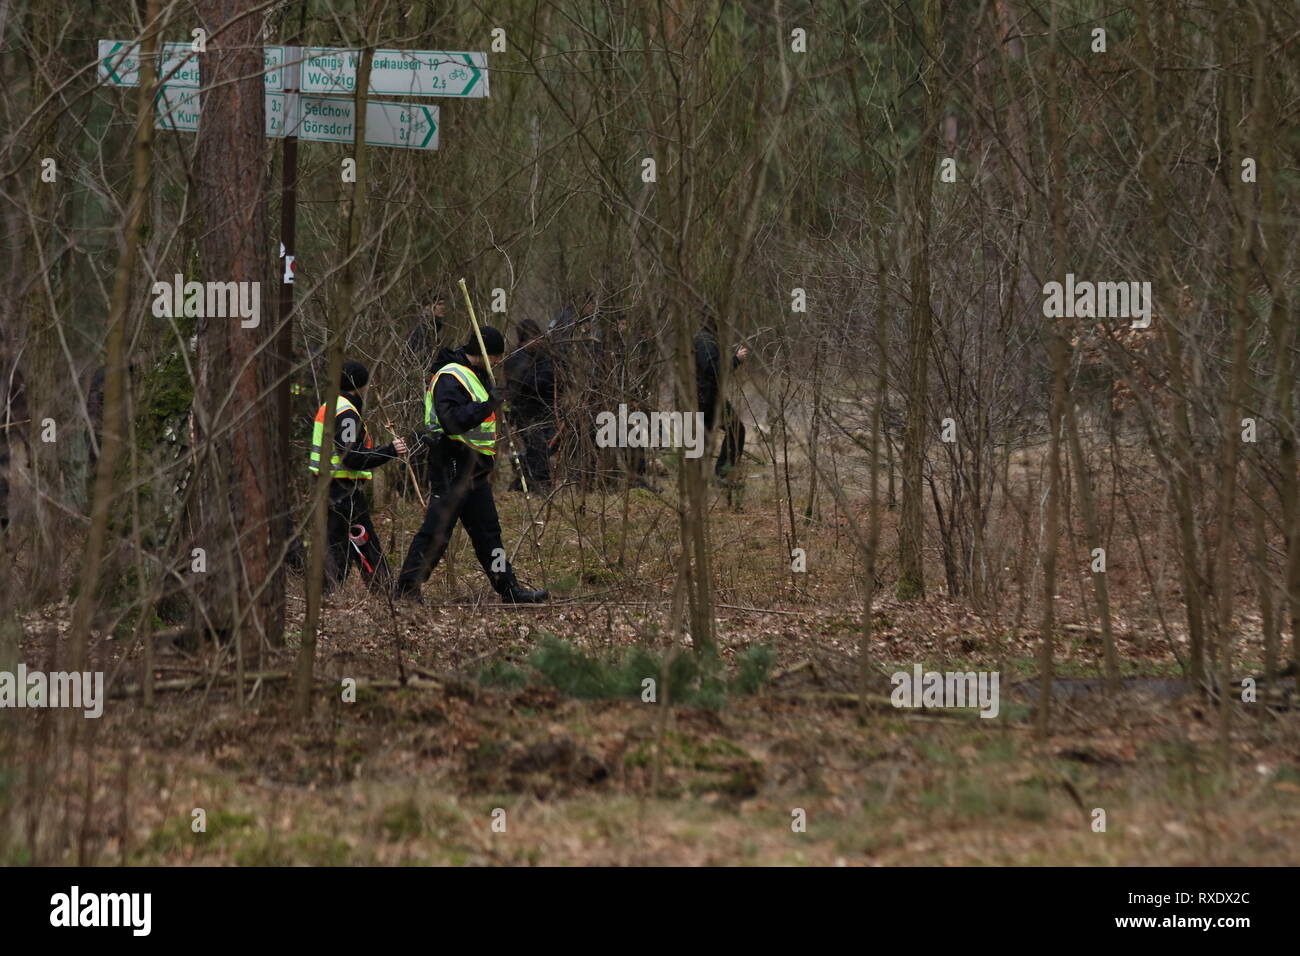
[
  {"x": 240, "y": 524},
  {"x": 917, "y": 433}
]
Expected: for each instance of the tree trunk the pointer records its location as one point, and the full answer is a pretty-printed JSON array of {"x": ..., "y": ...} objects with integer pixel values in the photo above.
[
  {"x": 1184, "y": 478},
  {"x": 911, "y": 528},
  {"x": 1093, "y": 536},
  {"x": 1059, "y": 350},
  {"x": 242, "y": 529},
  {"x": 342, "y": 313},
  {"x": 115, "y": 362}
]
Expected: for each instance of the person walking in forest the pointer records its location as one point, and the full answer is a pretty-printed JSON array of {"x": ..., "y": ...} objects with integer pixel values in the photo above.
[
  {"x": 349, "y": 532},
  {"x": 530, "y": 378},
  {"x": 708, "y": 375},
  {"x": 574, "y": 319},
  {"x": 426, "y": 337},
  {"x": 460, "y": 418}
]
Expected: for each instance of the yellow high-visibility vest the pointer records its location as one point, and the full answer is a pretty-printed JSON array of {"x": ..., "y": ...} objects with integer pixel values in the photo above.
[
  {"x": 483, "y": 437},
  {"x": 318, "y": 440}
]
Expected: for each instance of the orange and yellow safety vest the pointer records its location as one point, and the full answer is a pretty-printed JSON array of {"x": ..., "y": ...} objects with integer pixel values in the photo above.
[{"x": 318, "y": 440}]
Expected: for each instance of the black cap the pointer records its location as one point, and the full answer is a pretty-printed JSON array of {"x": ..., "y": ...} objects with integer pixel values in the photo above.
[
  {"x": 493, "y": 341},
  {"x": 355, "y": 376}
]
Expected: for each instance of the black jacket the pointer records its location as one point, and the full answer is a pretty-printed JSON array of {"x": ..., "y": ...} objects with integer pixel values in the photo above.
[
  {"x": 354, "y": 455},
  {"x": 457, "y": 413},
  {"x": 708, "y": 366},
  {"x": 425, "y": 340},
  {"x": 531, "y": 376}
]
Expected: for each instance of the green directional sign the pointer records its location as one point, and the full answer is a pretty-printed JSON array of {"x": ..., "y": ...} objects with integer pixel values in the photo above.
[
  {"x": 396, "y": 72},
  {"x": 119, "y": 65},
  {"x": 332, "y": 119},
  {"x": 178, "y": 110},
  {"x": 324, "y": 119}
]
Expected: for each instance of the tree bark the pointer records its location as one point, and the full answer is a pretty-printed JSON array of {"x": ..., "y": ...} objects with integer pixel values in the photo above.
[
  {"x": 1093, "y": 537},
  {"x": 242, "y": 528},
  {"x": 1059, "y": 351},
  {"x": 1184, "y": 478},
  {"x": 911, "y": 528},
  {"x": 342, "y": 313}
]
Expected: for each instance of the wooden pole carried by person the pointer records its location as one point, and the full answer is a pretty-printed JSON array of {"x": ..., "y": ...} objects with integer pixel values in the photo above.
[
  {"x": 492, "y": 382},
  {"x": 388, "y": 423}
]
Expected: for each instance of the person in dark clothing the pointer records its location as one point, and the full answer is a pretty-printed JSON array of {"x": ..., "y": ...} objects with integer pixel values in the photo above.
[
  {"x": 530, "y": 376},
  {"x": 426, "y": 339},
  {"x": 349, "y": 532},
  {"x": 574, "y": 319},
  {"x": 708, "y": 373},
  {"x": 460, "y": 414}
]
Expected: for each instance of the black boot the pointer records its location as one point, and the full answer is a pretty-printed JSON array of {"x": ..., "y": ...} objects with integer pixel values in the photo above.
[
  {"x": 407, "y": 595},
  {"x": 514, "y": 593}
]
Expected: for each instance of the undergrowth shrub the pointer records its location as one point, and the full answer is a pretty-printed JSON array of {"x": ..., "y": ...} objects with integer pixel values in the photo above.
[{"x": 681, "y": 678}]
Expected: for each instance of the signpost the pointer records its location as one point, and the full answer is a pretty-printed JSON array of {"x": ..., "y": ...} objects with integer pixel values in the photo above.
[
  {"x": 299, "y": 81},
  {"x": 177, "y": 109},
  {"x": 321, "y": 119},
  {"x": 119, "y": 65},
  {"x": 324, "y": 70},
  {"x": 396, "y": 72},
  {"x": 330, "y": 119},
  {"x": 292, "y": 72}
]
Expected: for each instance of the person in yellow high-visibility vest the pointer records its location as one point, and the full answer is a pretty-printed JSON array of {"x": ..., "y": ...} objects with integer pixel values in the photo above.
[
  {"x": 352, "y": 457},
  {"x": 460, "y": 418}
]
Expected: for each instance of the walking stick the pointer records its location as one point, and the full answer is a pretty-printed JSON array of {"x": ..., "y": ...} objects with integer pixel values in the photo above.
[
  {"x": 514, "y": 455},
  {"x": 388, "y": 423}
]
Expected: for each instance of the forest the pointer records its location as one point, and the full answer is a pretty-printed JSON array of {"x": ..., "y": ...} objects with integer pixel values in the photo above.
[{"x": 765, "y": 432}]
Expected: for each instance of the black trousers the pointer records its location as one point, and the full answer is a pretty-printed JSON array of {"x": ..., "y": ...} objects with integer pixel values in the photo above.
[
  {"x": 429, "y": 470},
  {"x": 733, "y": 438},
  {"x": 457, "y": 492},
  {"x": 535, "y": 436},
  {"x": 348, "y": 507}
]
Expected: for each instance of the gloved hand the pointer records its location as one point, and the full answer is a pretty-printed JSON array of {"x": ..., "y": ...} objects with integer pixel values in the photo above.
[{"x": 496, "y": 397}]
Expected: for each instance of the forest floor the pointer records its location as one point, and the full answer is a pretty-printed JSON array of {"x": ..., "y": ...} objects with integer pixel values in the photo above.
[{"x": 505, "y": 748}]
